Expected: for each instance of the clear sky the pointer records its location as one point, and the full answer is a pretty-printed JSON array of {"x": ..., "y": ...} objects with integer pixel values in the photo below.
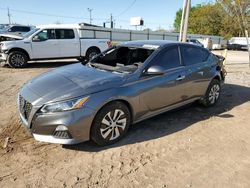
[{"x": 156, "y": 13}]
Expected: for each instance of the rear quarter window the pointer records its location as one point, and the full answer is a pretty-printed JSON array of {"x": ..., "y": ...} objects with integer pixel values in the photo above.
[{"x": 193, "y": 55}]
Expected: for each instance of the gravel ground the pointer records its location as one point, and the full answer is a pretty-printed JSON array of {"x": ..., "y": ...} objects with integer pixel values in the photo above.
[{"x": 188, "y": 147}]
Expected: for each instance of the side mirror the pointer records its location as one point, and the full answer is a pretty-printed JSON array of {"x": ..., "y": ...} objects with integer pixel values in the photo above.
[{"x": 154, "y": 71}]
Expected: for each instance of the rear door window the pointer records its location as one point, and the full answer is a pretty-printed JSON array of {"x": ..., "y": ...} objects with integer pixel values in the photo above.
[
  {"x": 65, "y": 34},
  {"x": 193, "y": 55},
  {"x": 168, "y": 59}
]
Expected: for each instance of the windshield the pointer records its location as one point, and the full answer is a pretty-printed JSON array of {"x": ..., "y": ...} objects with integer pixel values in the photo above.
[
  {"x": 5, "y": 28},
  {"x": 26, "y": 35},
  {"x": 1, "y": 26},
  {"x": 121, "y": 59}
]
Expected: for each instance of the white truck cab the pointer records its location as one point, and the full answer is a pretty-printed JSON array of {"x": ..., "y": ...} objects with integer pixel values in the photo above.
[{"x": 50, "y": 42}]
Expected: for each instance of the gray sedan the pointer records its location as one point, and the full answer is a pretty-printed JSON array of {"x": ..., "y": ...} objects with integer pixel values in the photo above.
[{"x": 119, "y": 87}]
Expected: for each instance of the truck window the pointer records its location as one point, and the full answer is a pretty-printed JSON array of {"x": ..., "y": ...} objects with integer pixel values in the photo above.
[
  {"x": 46, "y": 34},
  {"x": 65, "y": 34}
]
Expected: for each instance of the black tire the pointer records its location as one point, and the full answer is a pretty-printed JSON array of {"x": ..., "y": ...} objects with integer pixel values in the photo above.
[
  {"x": 212, "y": 94},
  {"x": 103, "y": 131},
  {"x": 91, "y": 52},
  {"x": 82, "y": 60},
  {"x": 17, "y": 59}
]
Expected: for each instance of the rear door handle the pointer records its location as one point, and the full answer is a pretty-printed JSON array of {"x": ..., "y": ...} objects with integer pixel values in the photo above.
[{"x": 180, "y": 78}]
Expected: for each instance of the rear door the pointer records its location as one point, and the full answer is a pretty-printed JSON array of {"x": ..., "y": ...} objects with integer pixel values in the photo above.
[
  {"x": 197, "y": 68},
  {"x": 167, "y": 89},
  {"x": 69, "y": 44},
  {"x": 45, "y": 45}
]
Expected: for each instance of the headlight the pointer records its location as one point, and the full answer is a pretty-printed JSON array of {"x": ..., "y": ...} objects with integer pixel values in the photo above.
[{"x": 64, "y": 106}]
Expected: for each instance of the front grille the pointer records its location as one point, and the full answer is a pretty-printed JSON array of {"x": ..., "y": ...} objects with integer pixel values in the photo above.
[{"x": 25, "y": 107}]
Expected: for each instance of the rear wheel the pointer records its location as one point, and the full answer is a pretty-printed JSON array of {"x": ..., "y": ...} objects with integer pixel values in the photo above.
[
  {"x": 17, "y": 59},
  {"x": 91, "y": 52},
  {"x": 110, "y": 124},
  {"x": 212, "y": 94}
]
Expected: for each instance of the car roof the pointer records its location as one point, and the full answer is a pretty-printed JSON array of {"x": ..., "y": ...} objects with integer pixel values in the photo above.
[
  {"x": 59, "y": 26},
  {"x": 12, "y": 25},
  {"x": 154, "y": 44}
]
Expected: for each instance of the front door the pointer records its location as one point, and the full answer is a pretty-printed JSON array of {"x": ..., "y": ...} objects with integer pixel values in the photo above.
[
  {"x": 45, "y": 45},
  {"x": 167, "y": 89}
]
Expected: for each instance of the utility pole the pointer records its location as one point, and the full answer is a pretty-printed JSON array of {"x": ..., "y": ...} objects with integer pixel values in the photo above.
[
  {"x": 90, "y": 15},
  {"x": 243, "y": 24},
  {"x": 184, "y": 21},
  {"x": 111, "y": 21},
  {"x": 9, "y": 15},
  {"x": 185, "y": 27}
]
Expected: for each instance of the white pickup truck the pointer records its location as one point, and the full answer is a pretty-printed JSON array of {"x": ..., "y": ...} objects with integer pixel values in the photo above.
[{"x": 50, "y": 42}]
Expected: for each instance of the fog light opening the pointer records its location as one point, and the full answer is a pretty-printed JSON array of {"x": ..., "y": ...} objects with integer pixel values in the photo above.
[
  {"x": 62, "y": 132},
  {"x": 61, "y": 128}
]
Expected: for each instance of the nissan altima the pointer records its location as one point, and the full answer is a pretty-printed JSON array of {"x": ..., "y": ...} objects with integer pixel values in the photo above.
[{"x": 119, "y": 87}]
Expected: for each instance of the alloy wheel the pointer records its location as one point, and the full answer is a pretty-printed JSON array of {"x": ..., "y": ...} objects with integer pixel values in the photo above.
[
  {"x": 113, "y": 124},
  {"x": 214, "y": 93},
  {"x": 18, "y": 60}
]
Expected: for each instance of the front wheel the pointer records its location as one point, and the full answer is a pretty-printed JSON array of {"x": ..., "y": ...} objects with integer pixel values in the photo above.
[
  {"x": 17, "y": 59},
  {"x": 212, "y": 94},
  {"x": 110, "y": 124}
]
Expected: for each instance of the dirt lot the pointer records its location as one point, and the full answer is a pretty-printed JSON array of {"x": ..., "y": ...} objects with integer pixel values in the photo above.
[{"x": 189, "y": 147}]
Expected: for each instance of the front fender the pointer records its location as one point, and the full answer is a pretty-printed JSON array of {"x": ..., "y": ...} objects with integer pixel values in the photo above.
[{"x": 100, "y": 99}]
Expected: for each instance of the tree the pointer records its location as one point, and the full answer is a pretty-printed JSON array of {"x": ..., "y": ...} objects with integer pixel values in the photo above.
[
  {"x": 177, "y": 21},
  {"x": 238, "y": 9},
  {"x": 218, "y": 18},
  {"x": 206, "y": 19}
]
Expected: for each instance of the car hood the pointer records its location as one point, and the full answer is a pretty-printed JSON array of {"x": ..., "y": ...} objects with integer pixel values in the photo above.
[
  {"x": 12, "y": 36},
  {"x": 69, "y": 82}
]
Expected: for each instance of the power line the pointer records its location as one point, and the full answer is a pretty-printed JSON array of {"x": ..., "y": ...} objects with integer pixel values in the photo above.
[
  {"x": 78, "y": 18},
  {"x": 49, "y": 15},
  {"x": 130, "y": 6}
]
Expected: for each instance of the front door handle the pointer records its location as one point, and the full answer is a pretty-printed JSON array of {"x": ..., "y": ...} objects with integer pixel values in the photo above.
[{"x": 180, "y": 78}]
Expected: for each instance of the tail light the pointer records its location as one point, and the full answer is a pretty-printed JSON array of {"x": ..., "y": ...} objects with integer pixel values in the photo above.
[{"x": 109, "y": 43}]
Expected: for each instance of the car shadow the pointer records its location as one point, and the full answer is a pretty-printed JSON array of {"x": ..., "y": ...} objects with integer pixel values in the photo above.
[
  {"x": 176, "y": 120},
  {"x": 47, "y": 64}
]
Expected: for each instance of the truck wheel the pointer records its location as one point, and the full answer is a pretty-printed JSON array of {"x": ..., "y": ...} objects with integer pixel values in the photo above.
[
  {"x": 91, "y": 52},
  {"x": 212, "y": 94},
  {"x": 110, "y": 124},
  {"x": 17, "y": 59},
  {"x": 82, "y": 60}
]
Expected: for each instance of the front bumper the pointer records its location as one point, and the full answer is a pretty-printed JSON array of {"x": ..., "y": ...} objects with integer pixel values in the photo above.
[
  {"x": 43, "y": 126},
  {"x": 3, "y": 56},
  {"x": 52, "y": 139}
]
